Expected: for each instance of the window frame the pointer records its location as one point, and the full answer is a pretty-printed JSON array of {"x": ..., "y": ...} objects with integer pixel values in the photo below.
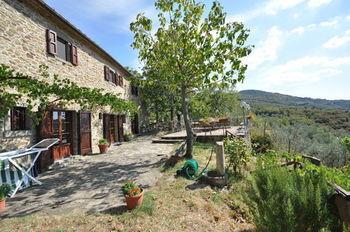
[
  {"x": 67, "y": 49},
  {"x": 21, "y": 124}
]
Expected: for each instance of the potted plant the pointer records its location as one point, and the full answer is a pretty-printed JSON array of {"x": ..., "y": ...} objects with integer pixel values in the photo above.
[
  {"x": 5, "y": 189},
  {"x": 127, "y": 136},
  {"x": 133, "y": 194},
  {"x": 103, "y": 145}
]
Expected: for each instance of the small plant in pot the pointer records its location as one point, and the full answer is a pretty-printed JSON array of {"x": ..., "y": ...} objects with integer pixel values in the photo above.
[
  {"x": 127, "y": 136},
  {"x": 133, "y": 194},
  {"x": 103, "y": 145},
  {"x": 5, "y": 189}
]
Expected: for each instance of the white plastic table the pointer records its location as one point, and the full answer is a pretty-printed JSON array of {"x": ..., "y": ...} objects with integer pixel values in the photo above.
[{"x": 35, "y": 150}]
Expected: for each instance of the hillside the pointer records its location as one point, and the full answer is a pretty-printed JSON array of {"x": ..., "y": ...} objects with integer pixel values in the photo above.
[{"x": 262, "y": 97}]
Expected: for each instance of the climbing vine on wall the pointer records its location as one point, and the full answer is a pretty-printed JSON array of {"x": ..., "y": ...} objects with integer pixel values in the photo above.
[{"x": 51, "y": 90}]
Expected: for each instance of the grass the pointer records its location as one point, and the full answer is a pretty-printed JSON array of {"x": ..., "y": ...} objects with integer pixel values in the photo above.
[{"x": 173, "y": 204}]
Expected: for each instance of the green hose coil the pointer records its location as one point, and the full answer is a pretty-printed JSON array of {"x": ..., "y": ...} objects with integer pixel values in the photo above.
[{"x": 190, "y": 168}]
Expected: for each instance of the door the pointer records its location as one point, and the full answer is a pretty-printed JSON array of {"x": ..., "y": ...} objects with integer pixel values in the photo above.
[
  {"x": 62, "y": 129},
  {"x": 120, "y": 128},
  {"x": 135, "y": 125},
  {"x": 45, "y": 131},
  {"x": 85, "y": 133},
  {"x": 112, "y": 129}
]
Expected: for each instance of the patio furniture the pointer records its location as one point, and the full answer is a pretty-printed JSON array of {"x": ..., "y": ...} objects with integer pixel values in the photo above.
[{"x": 23, "y": 175}]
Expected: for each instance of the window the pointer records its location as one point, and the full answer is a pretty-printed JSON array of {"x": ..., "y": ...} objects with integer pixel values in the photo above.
[
  {"x": 18, "y": 119},
  {"x": 61, "y": 122},
  {"x": 61, "y": 48},
  {"x": 112, "y": 76}
]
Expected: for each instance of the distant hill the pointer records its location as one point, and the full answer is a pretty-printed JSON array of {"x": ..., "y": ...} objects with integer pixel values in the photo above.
[{"x": 262, "y": 97}]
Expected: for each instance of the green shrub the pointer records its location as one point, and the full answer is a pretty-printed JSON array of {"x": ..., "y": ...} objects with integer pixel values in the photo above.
[
  {"x": 261, "y": 144},
  {"x": 287, "y": 200},
  {"x": 130, "y": 188},
  {"x": 5, "y": 189},
  {"x": 103, "y": 142},
  {"x": 237, "y": 154}
]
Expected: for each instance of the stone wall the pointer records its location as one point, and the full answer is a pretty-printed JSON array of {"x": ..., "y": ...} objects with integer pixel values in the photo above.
[{"x": 23, "y": 48}]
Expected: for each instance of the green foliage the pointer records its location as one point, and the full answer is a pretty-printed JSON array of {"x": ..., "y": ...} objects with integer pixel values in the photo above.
[
  {"x": 237, "y": 154},
  {"x": 127, "y": 136},
  {"x": 289, "y": 200},
  {"x": 178, "y": 51},
  {"x": 338, "y": 176},
  {"x": 159, "y": 101},
  {"x": 261, "y": 144},
  {"x": 262, "y": 97},
  {"x": 102, "y": 142},
  {"x": 5, "y": 189},
  {"x": 190, "y": 50},
  {"x": 49, "y": 91},
  {"x": 130, "y": 188},
  {"x": 346, "y": 142},
  {"x": 214, "y": 102}
]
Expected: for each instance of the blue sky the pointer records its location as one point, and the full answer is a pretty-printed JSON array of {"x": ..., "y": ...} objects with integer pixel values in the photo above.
[{"x": 302, "y": 47}]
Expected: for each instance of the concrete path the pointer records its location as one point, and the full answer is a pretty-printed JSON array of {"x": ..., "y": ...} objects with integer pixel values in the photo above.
[{"x": 92, "y": 183}]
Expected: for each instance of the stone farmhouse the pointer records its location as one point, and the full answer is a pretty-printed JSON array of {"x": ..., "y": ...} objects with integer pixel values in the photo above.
[{"x": 32, "y": 34}]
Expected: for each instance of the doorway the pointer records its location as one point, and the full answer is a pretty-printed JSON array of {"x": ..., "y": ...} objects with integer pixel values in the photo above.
[{"x": 85, "y": 133}]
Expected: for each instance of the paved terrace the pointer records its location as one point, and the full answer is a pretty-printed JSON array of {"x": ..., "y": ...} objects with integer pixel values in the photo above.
[
  {"x": 92, "y": 183},
  {"x": 217, "y": 134}
]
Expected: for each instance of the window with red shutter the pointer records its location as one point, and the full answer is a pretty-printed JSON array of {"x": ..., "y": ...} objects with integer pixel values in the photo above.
[
  {"x": 121, "y": 81},
  {"x": 113, "y": 77},
  {"x": 51, "y": 40},
  {"x": 74, "y": 54},
  {"x": 107, "y": 73}
]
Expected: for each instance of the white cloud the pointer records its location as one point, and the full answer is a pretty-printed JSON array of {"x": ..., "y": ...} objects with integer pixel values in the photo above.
[
  {"x": 318, "y": 3},
  {"x": 298, "y": 30},
  {"x": 266, "y": 50},
  {"x": 305, "y": 70},
  {"x": 273, "y": 7},
  {"x": 338, "y": 41},
  {"x": 332, "y": 23}
]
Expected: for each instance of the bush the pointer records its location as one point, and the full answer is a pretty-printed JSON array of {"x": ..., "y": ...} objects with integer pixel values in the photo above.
[
  {"x": 5, "y": 189},
  {"x": 290, "y": 200},
  {"x": 261, "y": 144},
  {"x": 130, "y": 188},
  {"x": 237, "y": 154},
  {"x": 102, "y": 142}
]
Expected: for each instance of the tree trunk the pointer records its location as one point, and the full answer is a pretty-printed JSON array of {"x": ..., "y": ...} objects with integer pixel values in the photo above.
[
  {"x": 189, "y": 131},
  {"x": 172, "y": 113}
]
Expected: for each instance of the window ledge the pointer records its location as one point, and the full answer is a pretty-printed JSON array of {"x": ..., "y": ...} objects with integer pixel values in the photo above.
[{"x": 63, "y": 61}]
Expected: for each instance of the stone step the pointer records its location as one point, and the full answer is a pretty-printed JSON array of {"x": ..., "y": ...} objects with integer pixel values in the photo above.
[{"x": 167, "y": 140}]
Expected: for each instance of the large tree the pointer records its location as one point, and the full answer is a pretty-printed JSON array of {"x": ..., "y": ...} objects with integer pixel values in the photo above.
[
  {"x": 159, "y": 102},
  {"x": 41, "y": 93},
  {"x": 190, "y": 50}
]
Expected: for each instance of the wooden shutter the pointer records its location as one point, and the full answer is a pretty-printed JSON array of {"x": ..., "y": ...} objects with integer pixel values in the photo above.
[
  {"x": 51, "y": 40},
  {"x": 74, "y": 54},
  {"x": 121, "y": 81},
  {"x": 107, "y": 73},
  {"x": 114, "y": 78}
]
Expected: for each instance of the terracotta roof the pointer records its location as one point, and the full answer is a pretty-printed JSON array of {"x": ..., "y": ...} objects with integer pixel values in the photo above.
[{"x": 50, "y": 12}]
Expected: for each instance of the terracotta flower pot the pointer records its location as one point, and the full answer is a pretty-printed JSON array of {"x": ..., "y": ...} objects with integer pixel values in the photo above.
[
  {"x": 103, "y": 148},
  {"x": 2, "y": 206},
  {"x": 134, "y": 201}
]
